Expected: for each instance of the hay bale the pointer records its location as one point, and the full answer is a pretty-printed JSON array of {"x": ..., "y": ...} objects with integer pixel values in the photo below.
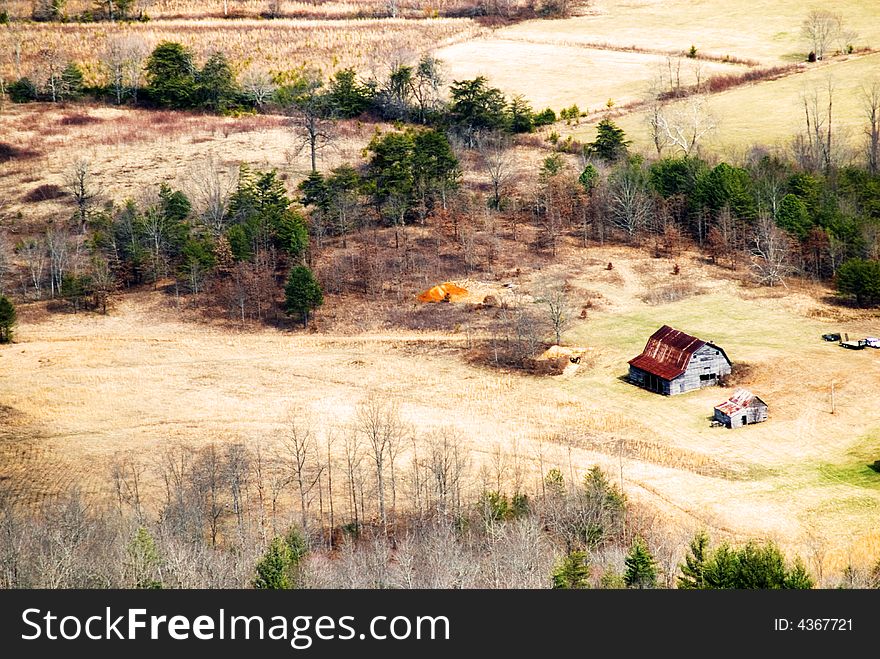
[{"x": 445, "y": 292}]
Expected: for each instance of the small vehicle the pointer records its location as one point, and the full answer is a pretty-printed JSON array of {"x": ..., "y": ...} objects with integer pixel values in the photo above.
[
  {"x": 831, "y": 337},
  {"x": 872, "y": 342}
]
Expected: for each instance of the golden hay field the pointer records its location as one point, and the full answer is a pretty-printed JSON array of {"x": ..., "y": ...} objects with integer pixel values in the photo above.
[
  {"x": 279, "y": 45},
  {"x": 775, "y": 108},
  {"x": 765, "y": 31},
  {"x": 131, "y": 151},
  {"x": 77, "y": 389},
  {"x": 618, "y": 50},
  {"x": 556, "y": 76},
  {"x": 255, "y": 8}
]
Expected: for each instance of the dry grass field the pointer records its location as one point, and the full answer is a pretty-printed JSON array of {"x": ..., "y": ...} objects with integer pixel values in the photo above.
[
  {"x": 619, "y": 48},
  {"x": 168, "y": 9},
  {"x": 767, "y": 32},
  {"x": 556, "y": 76},
  {"x": 278, "y": 45},
  {"x": 614, "y": 50},
  {"x": 776, "y": 111},
  {"x": 131, "y": 151},
  {"x": 77, "y": 389}
]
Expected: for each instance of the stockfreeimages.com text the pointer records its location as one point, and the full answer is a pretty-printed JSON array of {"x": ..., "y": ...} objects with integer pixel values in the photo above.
[{"x": 300, "y": 631}]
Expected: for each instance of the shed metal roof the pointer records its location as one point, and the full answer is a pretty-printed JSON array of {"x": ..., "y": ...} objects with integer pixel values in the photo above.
[{"x": 740, "y": 400}]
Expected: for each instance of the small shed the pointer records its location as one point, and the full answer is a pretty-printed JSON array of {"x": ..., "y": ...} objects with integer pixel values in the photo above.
[{"x": 741, "y": 409}]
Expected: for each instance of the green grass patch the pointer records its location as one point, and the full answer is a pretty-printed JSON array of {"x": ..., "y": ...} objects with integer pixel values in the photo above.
[
  {"x": 726, "y": 319},
  {"x": 858, "y": 474}
]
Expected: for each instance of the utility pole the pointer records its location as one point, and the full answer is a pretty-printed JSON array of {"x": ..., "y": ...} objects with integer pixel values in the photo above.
[{"x": 833, "y": 409}]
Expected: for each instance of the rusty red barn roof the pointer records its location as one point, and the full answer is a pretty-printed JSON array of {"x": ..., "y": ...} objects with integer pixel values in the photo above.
[
  {"x": 740, "y": 400},
  {"x": 667, "y": 353}
]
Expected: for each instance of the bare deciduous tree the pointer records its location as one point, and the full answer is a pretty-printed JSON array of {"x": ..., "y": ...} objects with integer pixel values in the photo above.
[
  {"x": 33, "y": 252},
  {"x": 871, "y": 104},
  {"x": 816, "y": 143},
  {"x": 683, "y": 125},
  {"x": 300, "y": 456},
  {"x": 770, "y": 252},
  {"x": 5, "y": 261},
  {"x": 629, "y": 204},
  {"x": 51, "y": 62},
  {"x": 307, "y": 108},
  {"x": 500, "y": 164},
  {"x": 821, "y": 28},
  {"x": 427, "y": 87},
  {"x": 81, "y": 184},
  {"x": 379, "y": 424},
  {"x": 552, "y": 295},
  {"x": 446, "y": 463},
  {"x": 212, "y": 187},
  {"x": 124, "y": 58},
  {"x": 58, "y": 247},
  {"x": 128, "y": 472},
  {"x": 258, "y": 86},
  {"x": 657, "y": 122}
]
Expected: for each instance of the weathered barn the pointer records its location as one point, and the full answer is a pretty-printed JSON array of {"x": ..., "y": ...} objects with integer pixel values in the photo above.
[
  {"x": 674, "y": 362},
  {"x": 741, "y": 409}
]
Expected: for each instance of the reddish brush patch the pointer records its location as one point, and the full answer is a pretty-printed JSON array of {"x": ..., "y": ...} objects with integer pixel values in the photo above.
[
  {"x": 723, "y": 82},
  {"x": 79, "y": 119},
  {"x": 720, "y": 83},
  {"x": 45, "y": 192},
  {"x": 10, "y": 152}
]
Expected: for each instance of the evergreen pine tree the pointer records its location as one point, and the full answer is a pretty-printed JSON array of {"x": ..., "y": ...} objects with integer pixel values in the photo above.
[
  {"x": 7, "y": 319},
  {"x": 641, "y": 569},
  {"x": 860, "y": 278},
  {"x": 144, "y": 560},
  {"x": 572, "y": 572},
  {"x": 302, "y": 294},
  {"x": 610, "y": 143},
  {"x": 273, "y": 567},
  {"x": 521, "y": 116},
  {"x": 798, "y": 578},
  {"x": 171, "y": 76},
  {"x": 589, "y": 178},
  {"x": 694, "y": 563}
]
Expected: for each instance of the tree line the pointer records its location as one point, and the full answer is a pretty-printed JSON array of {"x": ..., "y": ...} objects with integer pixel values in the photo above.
[
  {"x": 371, "y": 504},
  {"x": 168, "y": 77},
  {"x": 236, "y": 248}
]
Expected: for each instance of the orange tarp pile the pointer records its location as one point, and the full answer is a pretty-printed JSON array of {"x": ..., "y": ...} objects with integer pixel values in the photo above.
[{"x": 445, "y": 291}]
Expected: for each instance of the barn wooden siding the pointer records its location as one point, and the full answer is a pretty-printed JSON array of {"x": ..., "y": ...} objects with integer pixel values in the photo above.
[{"x": 707, "y": 366}]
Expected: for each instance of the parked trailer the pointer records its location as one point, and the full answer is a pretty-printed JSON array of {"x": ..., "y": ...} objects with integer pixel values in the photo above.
[{"x": 854, "y": 345}]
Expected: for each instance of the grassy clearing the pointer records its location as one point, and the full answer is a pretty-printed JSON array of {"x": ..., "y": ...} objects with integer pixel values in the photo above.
[
  {"x": 858, "y": 474},
  {"x": 584, "y": 60}
]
